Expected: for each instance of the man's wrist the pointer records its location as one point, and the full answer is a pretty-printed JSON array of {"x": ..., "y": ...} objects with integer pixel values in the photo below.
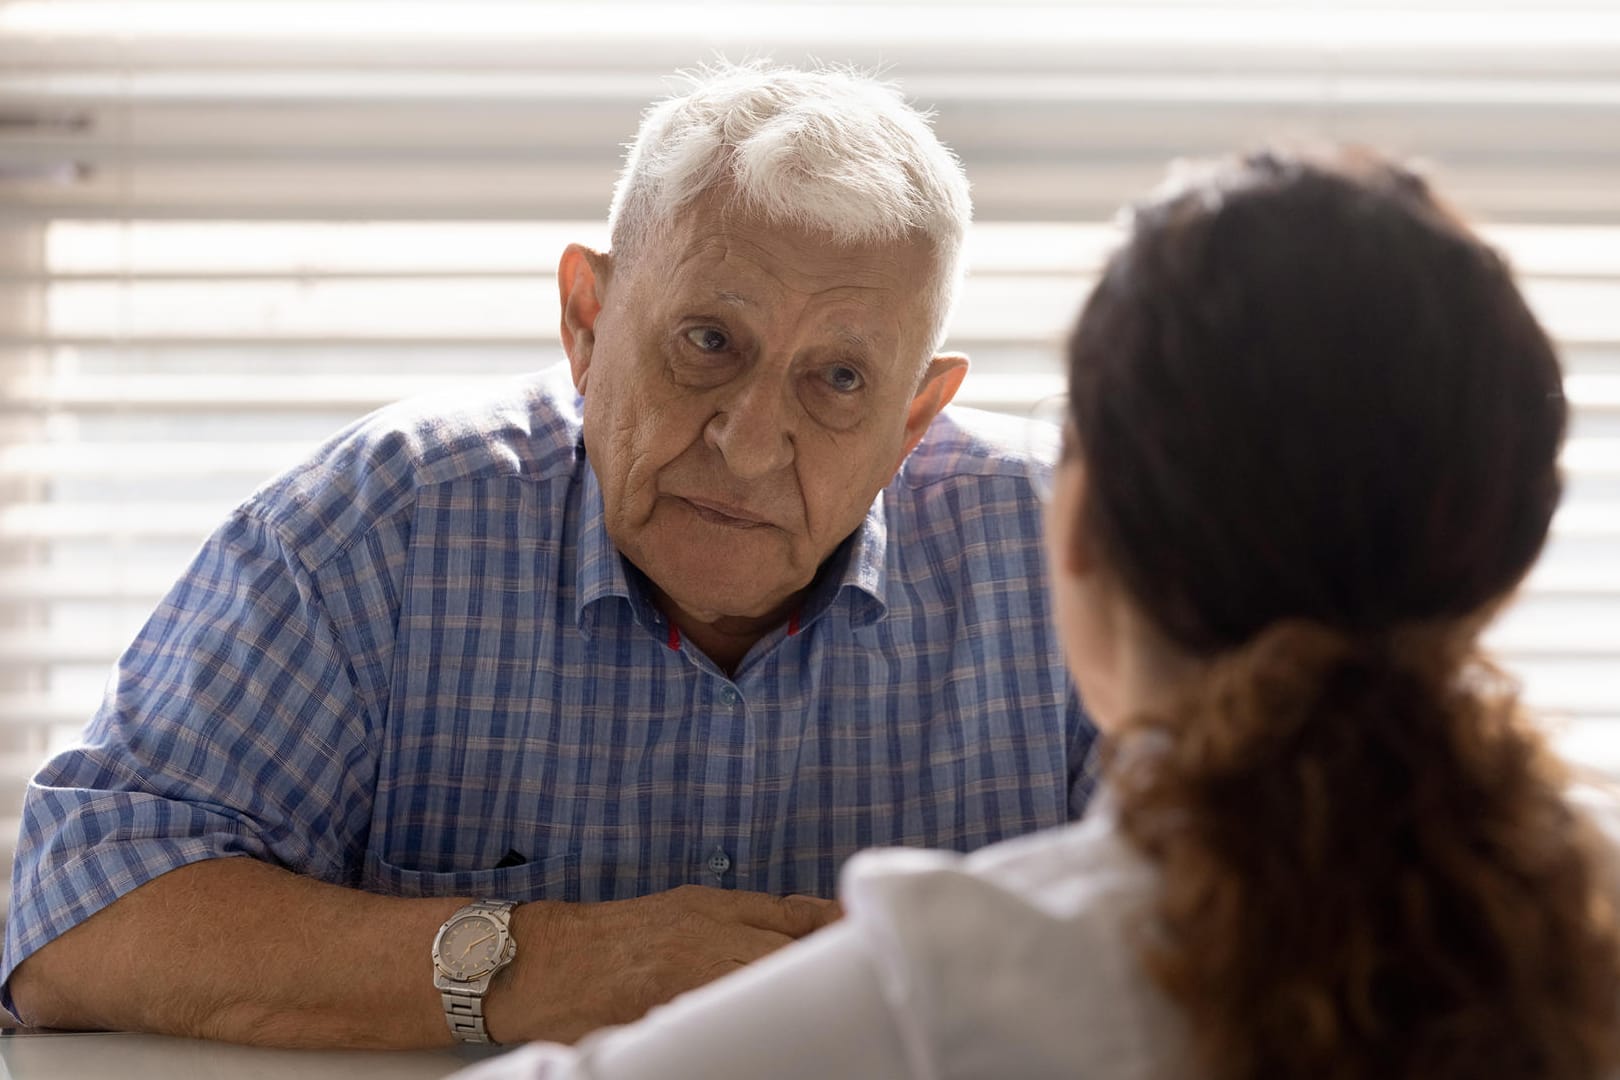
[
  {"x": 471, "y": 947},
  {"x": 508, "y": 1015}
]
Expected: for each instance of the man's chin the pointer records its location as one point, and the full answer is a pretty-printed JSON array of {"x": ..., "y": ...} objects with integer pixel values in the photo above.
[
  {"x": 723, "y": 601},
  {"x": 715, "y": 582}
]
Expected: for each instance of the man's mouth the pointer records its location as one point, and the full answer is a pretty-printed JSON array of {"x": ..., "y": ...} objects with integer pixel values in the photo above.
[{"x": 716, "y": 513}]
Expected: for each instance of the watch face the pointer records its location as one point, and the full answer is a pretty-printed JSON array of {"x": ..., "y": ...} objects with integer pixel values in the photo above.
[{"x": 471, "y": 946}]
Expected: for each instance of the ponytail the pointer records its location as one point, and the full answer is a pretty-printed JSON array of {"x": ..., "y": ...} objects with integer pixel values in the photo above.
[{"x": 1369, "y": 868}]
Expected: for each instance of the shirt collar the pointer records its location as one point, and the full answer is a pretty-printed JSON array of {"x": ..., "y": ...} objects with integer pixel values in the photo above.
[
  {"x": 601, "y": 572},
  {"x": 860, "y": 565},
  {"x": 860, "y": 568}
]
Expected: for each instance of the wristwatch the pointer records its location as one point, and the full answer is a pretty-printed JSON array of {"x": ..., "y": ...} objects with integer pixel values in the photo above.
[{"x": 471, "y": 946}]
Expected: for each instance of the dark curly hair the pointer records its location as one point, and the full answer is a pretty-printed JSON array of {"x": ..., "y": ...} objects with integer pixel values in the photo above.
[{"x": 1321, "y": 430}]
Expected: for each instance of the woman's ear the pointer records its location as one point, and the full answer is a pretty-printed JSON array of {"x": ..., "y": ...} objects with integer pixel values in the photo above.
[{"x": 1066, "y": 517}]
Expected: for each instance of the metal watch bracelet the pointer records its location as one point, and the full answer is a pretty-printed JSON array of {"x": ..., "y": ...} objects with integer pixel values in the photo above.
[{"x": 461, "y": 996}]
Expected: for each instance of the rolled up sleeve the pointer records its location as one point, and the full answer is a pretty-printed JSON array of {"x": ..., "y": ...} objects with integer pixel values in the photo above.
[{"x": 230, "y": 727}]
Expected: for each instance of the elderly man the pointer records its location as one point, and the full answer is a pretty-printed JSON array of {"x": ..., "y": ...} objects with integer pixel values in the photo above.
[{"x": 512, "y": 718}]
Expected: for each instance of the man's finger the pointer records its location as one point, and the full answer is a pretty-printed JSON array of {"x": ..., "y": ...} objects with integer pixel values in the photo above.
[
  {"x": 794, "y": 916},
  {"x": 748, "y": 943}
]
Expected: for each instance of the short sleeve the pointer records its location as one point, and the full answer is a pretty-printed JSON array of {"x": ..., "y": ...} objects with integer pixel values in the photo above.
[{"x": 230, "y": 727}]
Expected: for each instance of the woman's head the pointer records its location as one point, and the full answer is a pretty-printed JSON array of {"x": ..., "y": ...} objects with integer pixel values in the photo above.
[
  {"x": 1314, "y": 443},
  {"x": 1304, "y": 390}
]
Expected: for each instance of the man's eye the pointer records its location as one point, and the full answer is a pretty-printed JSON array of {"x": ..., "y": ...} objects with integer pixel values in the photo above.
[
  {"x": 708, "y": 339},
  {"x": 844, "y": 379}
]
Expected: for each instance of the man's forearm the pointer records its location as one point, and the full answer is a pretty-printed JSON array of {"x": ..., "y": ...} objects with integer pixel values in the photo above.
[
  {"x": 240, "y": 950},
  {"x": 236, "y": 949}
]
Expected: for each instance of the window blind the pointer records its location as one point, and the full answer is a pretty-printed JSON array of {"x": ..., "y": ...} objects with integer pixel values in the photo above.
[{"x": 226, "y": 229}]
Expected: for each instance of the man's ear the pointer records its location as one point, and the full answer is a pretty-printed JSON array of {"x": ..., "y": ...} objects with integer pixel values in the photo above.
[
  {"x": 939, "y": 385},
  {"x": 582, "y": 277}
]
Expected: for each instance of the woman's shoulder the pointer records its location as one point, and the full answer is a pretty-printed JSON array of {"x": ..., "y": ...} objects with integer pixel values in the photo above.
[
  {"x": 1596, "y": 800},
  {"x": 1022, "y": 957},
  {"x": 1061, "y": 871}
]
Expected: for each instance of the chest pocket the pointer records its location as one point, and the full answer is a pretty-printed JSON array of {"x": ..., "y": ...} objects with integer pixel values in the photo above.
[{"x": 553, "y": 878}]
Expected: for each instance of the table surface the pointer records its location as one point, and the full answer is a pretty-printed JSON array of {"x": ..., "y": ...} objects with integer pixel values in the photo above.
[{"x": 36, "y": 1055}]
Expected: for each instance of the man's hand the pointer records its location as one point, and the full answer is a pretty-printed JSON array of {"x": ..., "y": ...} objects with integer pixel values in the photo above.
[{"x": 584, "y": 966}]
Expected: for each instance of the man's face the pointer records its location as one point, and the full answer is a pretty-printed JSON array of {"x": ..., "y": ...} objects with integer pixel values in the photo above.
[{"x": 748, "y": 391}]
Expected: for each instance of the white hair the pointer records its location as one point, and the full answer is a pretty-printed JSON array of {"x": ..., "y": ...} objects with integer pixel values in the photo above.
[{"x": 831, "y": 151}]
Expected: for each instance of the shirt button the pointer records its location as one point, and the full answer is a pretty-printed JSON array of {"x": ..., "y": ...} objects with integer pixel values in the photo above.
[
  {"x": 719, "y": 863},
  {"x": 729, "y": 695}
]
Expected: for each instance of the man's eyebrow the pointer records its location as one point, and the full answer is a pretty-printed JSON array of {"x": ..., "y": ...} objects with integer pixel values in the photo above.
[
  {"x": 735, "y": 299},
  {"x": 853, "y": 338}
]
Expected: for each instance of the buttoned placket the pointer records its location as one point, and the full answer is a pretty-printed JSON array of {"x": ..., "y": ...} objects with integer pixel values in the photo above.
[
  {"x": 727, "y": 836},
  {"x": 722, "y": 837}
]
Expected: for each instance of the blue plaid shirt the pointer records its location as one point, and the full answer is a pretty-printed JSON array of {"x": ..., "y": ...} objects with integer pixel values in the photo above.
[{"x": 417, "y": 665}]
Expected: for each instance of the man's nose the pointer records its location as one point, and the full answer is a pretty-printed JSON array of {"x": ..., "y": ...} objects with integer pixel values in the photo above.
[{"x": 753, "y": 429}]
